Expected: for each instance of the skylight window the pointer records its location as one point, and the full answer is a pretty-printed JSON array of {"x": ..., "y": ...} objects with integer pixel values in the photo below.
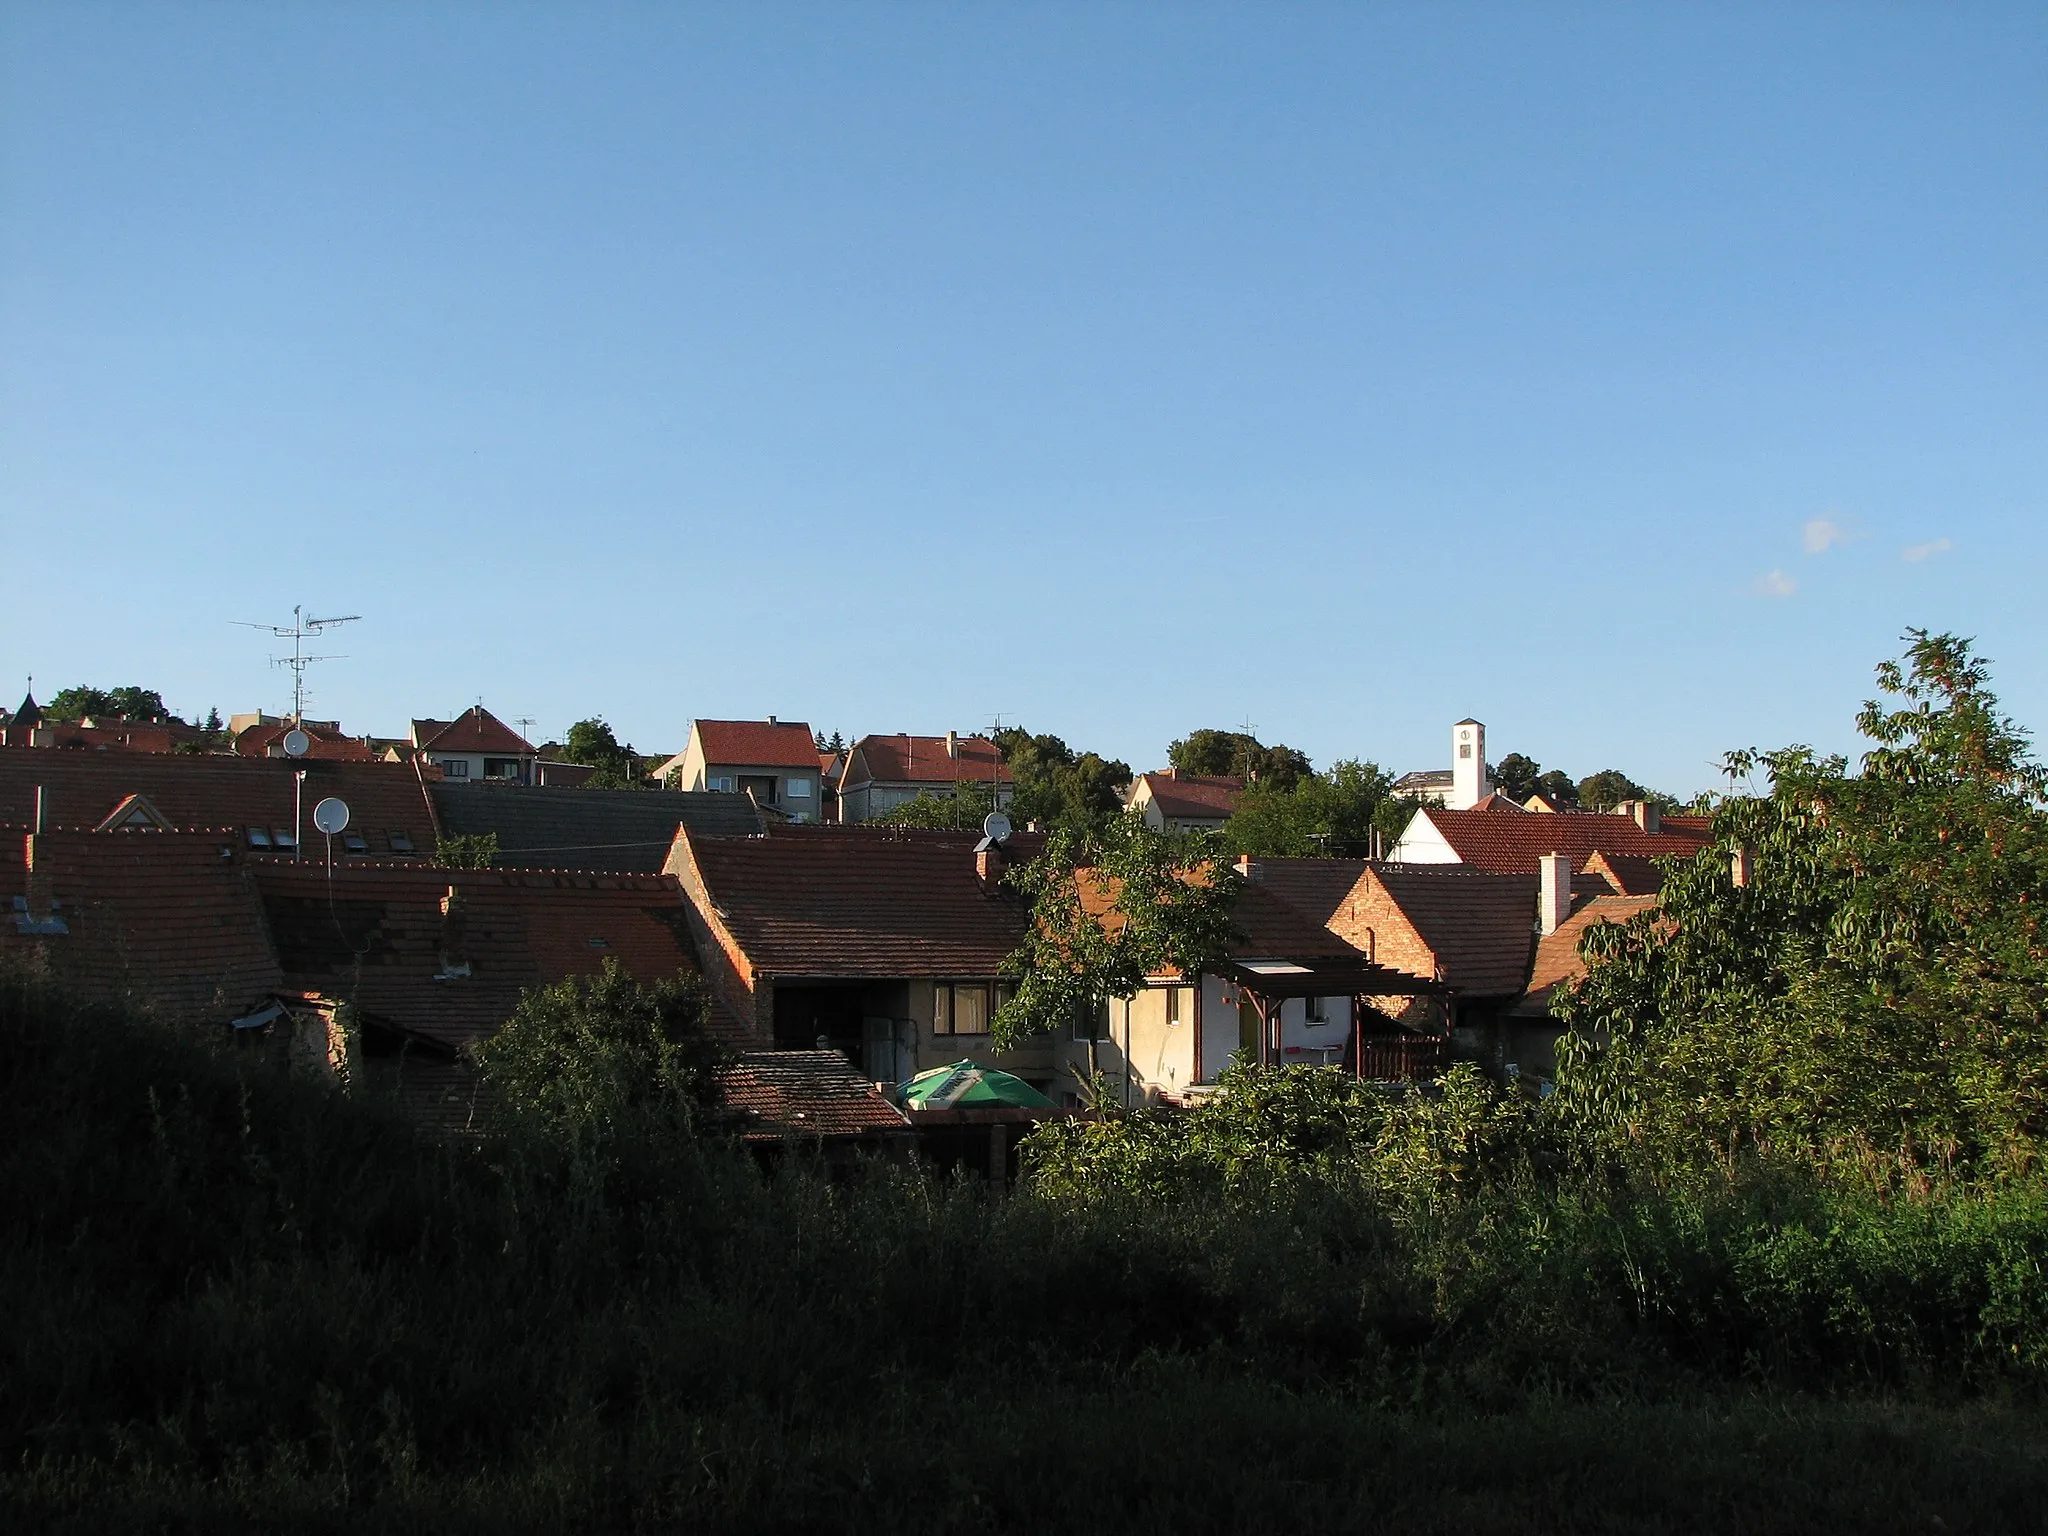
[
  {"x": 259, "y": 837},
  {"x": 355, "y": 842},
  {"x": 401, "y": 842},
  {"x": 599, "y": 943},
  {"x": 282, "y": 839}
]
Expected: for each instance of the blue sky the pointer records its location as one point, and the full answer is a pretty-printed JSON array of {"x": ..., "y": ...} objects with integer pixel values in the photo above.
[{"x": 1115, "y": 369}]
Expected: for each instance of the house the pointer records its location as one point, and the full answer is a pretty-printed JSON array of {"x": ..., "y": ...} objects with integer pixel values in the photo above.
[
  {"x": 814, "y": 1097},
  {"x": 324, "y": 740},
  {"x": 775, "y": 761},
  {"x": 1170, "y": 800},
  {"x": 476, "y": 745},
  {"x": 29, "y": 727},
  {"x": 884, "y": 772},
  {"x": 1498, "y": 835},
  {"x": 267, "y": 802},
  {"x": 883, "y": 943},
  {"x": 623, "y": 830}
]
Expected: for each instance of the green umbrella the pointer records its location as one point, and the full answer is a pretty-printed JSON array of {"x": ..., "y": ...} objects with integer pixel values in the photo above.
[{"x": 967, "y": 1084}]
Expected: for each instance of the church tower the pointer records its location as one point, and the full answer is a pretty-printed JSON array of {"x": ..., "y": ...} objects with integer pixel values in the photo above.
[{"x": 1468, "y": 766}]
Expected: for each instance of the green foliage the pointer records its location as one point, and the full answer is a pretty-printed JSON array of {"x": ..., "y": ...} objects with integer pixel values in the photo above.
[
  {"x": 590, "y": 1053},
  {"x": 592, "y": 743},
  {"x": 1214, "y": 753},
  {"x": 1873, "y": 999},
  {"x": 1608, "y": 788},
  {"x": 77, "y": 703},
  {"x": 1516, "y": 776},
  {"x": 1111, "y": 905},
  {"x": 961, "y": 811},
  {"x": 1519, "y": 777},
  {"x": 1558, "y": 786},
  {"x": 477, "y": 850},
  {"x": 1057, "y": 786},
  {"x": 1332, "y": 814}
]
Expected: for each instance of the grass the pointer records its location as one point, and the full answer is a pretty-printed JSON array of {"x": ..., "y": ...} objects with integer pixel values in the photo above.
[{"x": 230, "y": 1300}]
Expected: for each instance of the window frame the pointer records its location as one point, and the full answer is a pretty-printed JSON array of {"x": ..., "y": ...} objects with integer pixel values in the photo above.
[{"x": 946, "y": 1008}]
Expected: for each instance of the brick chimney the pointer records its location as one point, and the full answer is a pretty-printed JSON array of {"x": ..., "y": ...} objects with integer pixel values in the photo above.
[
  {"x": 1741, "y": 865},
  {"x": 454, "y": 936},
  {"x": 1553, "y": 892},
  {"x": 989, "y": 863}
]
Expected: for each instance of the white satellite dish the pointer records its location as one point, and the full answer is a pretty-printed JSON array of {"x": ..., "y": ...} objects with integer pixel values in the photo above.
[
  {"x": 297, "y": 743},
  {"x": 331, "y": 815},
  {"x": 995, "y": 826}
]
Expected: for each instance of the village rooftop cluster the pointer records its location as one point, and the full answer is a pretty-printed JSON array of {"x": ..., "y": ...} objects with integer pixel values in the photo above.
[{"x": 158, "y": 864}]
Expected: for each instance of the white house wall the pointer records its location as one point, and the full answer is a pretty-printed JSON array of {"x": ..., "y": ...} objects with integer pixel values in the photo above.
[{"x": 1422, "y": 843}]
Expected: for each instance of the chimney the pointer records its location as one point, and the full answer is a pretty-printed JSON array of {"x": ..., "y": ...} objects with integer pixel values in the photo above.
[
  {"x": 1553, "y": 892},
  {"x": 1648, "y": 815},
  {"x": 989, "y": 863},
  {"x": 39, "y": 808},
  {"x": 952, "y": 743},
  {"x": 454, "y": 934},
  {"x": 1739, "y": 865},
  {"x": 1468, "y": 765},
  {"x": 773, "y": 721}
]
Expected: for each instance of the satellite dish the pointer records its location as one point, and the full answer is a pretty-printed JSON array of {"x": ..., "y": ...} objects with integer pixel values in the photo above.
[
  {"x": 995, "y": 826},
  {"x": 331, "y": 815},
  {"x": 297, "y": 743}
]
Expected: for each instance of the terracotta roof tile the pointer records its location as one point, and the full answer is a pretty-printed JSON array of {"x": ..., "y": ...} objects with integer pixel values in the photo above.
[
  {"x": 1627, "y": 874},
  {"x": 757, "y": 743},
  {"x": 1481, "y": 927},
  {"x": 268, "y": 741},
  {"x": 162, "y": 919},
  {"x": 1192, "y": 796},
  {"x": 856, "y": 902},
  {"x": 1557, "y": 959},
  {"x": 924, "y": 760},
  {"x": 82, "y": 789},
  {"x": 1505, "y": 842},
  {"x": 476, "y": 729},
  {"x": 778, "y": 1094}
]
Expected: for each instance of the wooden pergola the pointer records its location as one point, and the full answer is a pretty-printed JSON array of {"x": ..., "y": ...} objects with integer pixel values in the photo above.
[{"x": 1269, "y": 983}]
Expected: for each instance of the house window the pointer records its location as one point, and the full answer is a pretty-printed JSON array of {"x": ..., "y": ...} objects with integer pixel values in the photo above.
[
  {"x": 1316, "y": 1009},
  {"x": 455, "y": 767},
  {"x": 799, "y": 789},
  {"x": 501, "y": 767},
  {"x": 259, "y": 837},
  {"x": 1090, "y": 1021},
  {"x": 401, "y": 842},
  {"x": 722, "y": 783},
  {"x": 960, "y": 1008},
  {"x": 1173, "y": 1005}
]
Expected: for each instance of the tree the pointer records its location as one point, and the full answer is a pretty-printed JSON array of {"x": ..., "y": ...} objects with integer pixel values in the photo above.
[
  {"x": 477, "y": 850},
  {"x": 1557, "y": 787},
  {"x": 592, "y": 743},
  {"x": 1608, "y": 788},
  {"x": 1871, "y": 994},
  {"x": 1112, "y": 904},
  {"x": 1517, "y": 776},
  {"x": 77, "y": 703},
  {"x": 1215, "y": 753},
  {"x": 1334, "y": 814},
  {"x": 1055, "y": 786},
  {"x": 590, "y": 1053},
  {"x": 961, "y": 811}
]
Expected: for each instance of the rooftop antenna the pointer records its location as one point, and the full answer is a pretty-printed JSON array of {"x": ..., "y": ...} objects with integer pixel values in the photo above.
[{"x": 299, "y": 631}]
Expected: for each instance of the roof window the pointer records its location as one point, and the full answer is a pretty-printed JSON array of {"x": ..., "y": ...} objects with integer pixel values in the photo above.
[
  {"x": 355, "y": 842},
  {"x": 259, "y": 837},
  {"x": 599, "y": 943},
  {"x": 283, "y": 839},
  {"x": 401, "y": 842}
]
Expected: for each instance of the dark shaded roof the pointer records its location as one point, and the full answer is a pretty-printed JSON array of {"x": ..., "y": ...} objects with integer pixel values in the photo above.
[
  {"x": 779, "y": 1094},
  {"x": 30, "y": 713},
  {"x": 1316, "y": 888},
  {"x": 168, "y": 920},
  {"x": 1426, "y": 778},
  {"x": 1627, "y": 874},
  {"x": 552, "y": 827},
  {"x": 1193, "y": 796},
  {"x": 1481, "y": 927},
  {"x": 923, "y": 760},
  {"x": 1508, "y": 842},
  {"x": 476, "y": 729},
  {"x": 210, "y": 791},
  {"x": 514, "y": 929},
  {"x": 1270, "y": 926},
  {"x": 757, "y": 743},
  {"x": 855, "y": 902},
  {"x": 1557, "y": 959}
]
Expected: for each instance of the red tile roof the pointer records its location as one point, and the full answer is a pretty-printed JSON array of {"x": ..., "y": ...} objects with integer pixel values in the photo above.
[
  {"x": 1481, "y": 927},
  {"x": 1627, "y": 874},
  {"x": 1557, "y": 961},
  {"x": 268, "y": 741},
  {"x": 380, "y": 936},
  {"x": 924, "y": 760},
  {"x": 855, "y": 902},
  {"x": 1193, "y": 797},
  {"x": 82, "y": 789},
  {"x": 160, "y": 919},
  {"x": 476, "y": 729},
  {"x": 757, "y": 743},
  {"x": 780, "y": 1094},
  {"x": 1505, "y": 842}
]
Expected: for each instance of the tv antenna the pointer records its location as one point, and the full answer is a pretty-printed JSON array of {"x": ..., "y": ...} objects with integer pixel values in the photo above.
[{"x": 301, "y": 629}]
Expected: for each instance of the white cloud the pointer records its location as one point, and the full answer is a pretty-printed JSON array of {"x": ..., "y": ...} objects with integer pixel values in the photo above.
[
  {"x": 1918, "y": 552},
  {"x": 1822, "y": 534},
  {"x": 1775, "y": 584}
]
